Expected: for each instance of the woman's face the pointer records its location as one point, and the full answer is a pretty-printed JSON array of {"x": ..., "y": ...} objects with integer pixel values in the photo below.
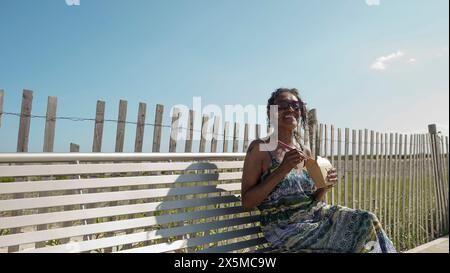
[{"x": 289, "y": 110}]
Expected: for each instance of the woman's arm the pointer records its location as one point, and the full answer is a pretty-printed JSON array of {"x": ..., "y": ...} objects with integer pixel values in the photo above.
[{"x": 253, "y": 193}]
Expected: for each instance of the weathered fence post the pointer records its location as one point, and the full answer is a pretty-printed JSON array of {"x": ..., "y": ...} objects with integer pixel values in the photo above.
[
  {"x": 174, "y": 130},
  {"x": 246, "y": 136},
  {"x": 140, "y": 128},
  {"x": 98, "y": 129},
  {"x": 439, "y": 179},
  {"x": 189, "y": 132},
  {"x": 25, "y": 120},
  {"x": 312, "y": 125},
  {"x": 49, "y": 135},
  {"x": 157, "y": 129},
  {"x": 120, "y": 134},
  {"x": 236, "y": 137},
  {"x": 215, "y": 135},
  {"x": 225, "y": 136},
  {"x": 204, "y": 132}
]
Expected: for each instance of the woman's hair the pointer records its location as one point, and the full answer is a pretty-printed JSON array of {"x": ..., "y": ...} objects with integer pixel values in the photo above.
[{"x": 294, "y": 92}]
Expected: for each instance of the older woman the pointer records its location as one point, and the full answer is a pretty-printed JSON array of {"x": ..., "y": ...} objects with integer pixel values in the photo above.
[{"x": 293, "y": 216}]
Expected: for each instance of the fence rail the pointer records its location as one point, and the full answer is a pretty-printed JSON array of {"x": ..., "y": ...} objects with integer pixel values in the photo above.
[{"x": 402, "y": 178}]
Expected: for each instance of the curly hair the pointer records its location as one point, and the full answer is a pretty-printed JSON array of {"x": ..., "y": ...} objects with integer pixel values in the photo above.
[{"x": 294, "y": 92}]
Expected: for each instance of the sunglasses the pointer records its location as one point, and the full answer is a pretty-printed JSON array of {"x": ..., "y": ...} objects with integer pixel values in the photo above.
[{"x": 285, "y": 104}]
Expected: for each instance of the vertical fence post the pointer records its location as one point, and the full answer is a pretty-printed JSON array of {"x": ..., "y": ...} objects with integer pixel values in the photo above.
[
  {"x": 325, "y": 154},
  {"x": 429, "y": 185},
  {"x": 25, "y": 120},
  {"x": 215, "y": 134},
  {"x": 189, "y": 132},
  {"x": 444, "y": 177},
  {"x": 437, "y": 173},
  {"x": 140, "y": 128},
  {"x": 395, "y": 198},
  {"x": 446, "y": 157},
  {"x": 354, "y": 169},
  {"x": 377, "y": 174},
  {"x": 371, "y": 169},
  {"x": 404, "y": 188},
  {"x": 399, "y": 190},
  {"x": 416, "y": 191},
  {"x": 333, "y": 191},
  {"x": 312, "y": 125},
  {"x": 121, "y": 120},
  {"x": 389, "y": 184},
  {"x": 50, "y": 120},
  {"x": 425, "y": 191},
  {"x": 319, "y": 140},
  {"x": 359, "y": 169},
  {"x": 174, "y": 130},
  {"x": 410, "y": 185},
  {"x": 204, "y": 132},
  {"x": 246, "y": 136},
  {"x": 365, "y": 169},
  {"x": 385, "y": 181},
  {"x": 225, "y": 136},
  {"x": 306, "y": 134},
  {"x": 339, "y": 167},
  {"x": 346, "y": 167},
  {"x": 157, "y": 129},
  {"x": 236, "y": 137},
  {"x": 98, "y": 128}
]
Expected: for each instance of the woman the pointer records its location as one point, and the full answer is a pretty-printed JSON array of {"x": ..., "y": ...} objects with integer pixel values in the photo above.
[{"x": 293, "y": 216}]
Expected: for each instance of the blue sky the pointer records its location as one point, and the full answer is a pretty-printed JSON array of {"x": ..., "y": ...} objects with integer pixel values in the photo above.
[{"x": 381, "y": 67}]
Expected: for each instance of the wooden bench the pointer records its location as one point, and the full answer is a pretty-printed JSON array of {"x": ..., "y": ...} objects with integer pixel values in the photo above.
[{"x": 125, "y": 203}]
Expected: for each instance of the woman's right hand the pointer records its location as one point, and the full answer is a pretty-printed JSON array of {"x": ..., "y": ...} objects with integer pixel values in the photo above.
[{"x": 291, "y": 160}]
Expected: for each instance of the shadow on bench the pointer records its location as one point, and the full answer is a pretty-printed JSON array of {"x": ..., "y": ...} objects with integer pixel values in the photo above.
[{"x": 125, "y": 203}]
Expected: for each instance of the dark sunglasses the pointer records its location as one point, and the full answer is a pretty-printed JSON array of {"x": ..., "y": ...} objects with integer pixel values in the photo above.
[{"x": 285, "y": 104}]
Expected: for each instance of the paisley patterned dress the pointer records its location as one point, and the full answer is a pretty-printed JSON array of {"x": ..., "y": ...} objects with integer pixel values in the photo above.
[{"x": 293, "y": 221}]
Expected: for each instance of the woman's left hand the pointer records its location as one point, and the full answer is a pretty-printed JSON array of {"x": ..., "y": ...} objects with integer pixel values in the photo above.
[{"x": 331, "y": 178}]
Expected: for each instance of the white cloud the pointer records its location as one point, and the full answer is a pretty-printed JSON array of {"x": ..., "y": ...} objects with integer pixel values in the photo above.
[
  {"x": 373, "y": 2},
  {"x": 381, "y": 63},
  {"x": 412, "y": 61}
]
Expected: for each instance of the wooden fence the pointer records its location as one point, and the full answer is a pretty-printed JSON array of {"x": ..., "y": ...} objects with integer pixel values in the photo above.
[{"x": 402, "y": 178}]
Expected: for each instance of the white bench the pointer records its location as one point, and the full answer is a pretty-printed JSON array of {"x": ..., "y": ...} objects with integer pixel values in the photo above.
[{"x": 125, "y": 203}]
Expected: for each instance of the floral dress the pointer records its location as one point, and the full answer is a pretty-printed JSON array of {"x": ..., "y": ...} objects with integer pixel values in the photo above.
[{"x": 293, "y": 221}]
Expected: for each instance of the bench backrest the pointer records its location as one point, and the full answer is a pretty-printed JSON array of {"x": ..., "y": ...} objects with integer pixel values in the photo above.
[{"x": 124, "y": 203}]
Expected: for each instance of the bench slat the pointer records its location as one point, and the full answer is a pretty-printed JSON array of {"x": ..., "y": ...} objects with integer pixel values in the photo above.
[
  {"x": 64, "y": 216},
  {"x": 92, "y": 183},
  {"x": 71, "y": 169},
  {"x": 165, "y": 247},
  {"x": 75, "y": 199},
  {"x": 66, "y": 232},
  {"x": 142, "y": 236},
  {"x": 235, "y": 246}
]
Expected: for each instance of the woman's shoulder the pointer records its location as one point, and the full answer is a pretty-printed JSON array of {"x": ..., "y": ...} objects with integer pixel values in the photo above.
[
  {"x": 255, "y": 146},
  {"x": 258, "y": 155}
]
